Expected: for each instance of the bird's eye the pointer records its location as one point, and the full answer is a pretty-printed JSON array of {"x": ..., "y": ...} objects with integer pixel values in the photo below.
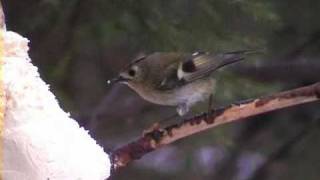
[{"x": 132, "y": 72}]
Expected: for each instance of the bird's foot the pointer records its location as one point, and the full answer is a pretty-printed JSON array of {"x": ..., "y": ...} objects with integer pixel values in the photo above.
[
  {"x": 153, "y": 127},
  {"x": 209, "y": 111}
]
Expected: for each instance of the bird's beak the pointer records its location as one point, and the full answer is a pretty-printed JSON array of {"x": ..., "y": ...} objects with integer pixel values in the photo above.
[{"x": 118, "y": 79}]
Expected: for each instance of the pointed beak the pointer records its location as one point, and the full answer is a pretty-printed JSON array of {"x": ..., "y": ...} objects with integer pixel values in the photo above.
[{"x": 118, "y": 79}]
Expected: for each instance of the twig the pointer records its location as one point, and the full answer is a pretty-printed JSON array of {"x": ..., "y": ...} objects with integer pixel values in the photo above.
[{"x": 160, "y": 137}]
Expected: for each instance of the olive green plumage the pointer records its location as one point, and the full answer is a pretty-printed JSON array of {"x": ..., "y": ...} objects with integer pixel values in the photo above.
[{"x": 176, "y": 79}]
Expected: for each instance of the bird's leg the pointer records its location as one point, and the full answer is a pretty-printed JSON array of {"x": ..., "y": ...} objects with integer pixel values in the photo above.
[
  {"x": 210, "y": 105},
  {"x": 153, "y": 127},
  {"x": 182, "y": 109}
]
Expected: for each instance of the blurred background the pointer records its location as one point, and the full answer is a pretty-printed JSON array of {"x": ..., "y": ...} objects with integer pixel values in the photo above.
[{"x": 78, "y": 45}]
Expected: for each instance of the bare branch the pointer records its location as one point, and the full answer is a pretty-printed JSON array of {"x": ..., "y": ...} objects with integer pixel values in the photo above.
[{"x": 160, "y": 137}]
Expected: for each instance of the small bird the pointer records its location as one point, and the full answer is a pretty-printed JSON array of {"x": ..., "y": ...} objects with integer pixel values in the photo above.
[{"x": 176, "y": 79}]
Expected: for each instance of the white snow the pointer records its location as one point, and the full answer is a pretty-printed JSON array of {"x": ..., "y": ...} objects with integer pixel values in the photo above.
[{"x": 40, "y": 140}]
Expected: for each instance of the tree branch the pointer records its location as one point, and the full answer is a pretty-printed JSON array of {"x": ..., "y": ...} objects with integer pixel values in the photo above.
[{"x": 160, "y": 137}]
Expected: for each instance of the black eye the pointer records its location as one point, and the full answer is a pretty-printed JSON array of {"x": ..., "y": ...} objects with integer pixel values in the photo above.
[{"x": 132, "y": 72}]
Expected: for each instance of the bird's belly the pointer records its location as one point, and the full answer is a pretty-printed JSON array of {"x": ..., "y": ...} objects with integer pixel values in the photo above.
[
  {"x": 197, "y": 91},
  {"x": 189, "y": 94},
  {"x": 162, "y": 98}
]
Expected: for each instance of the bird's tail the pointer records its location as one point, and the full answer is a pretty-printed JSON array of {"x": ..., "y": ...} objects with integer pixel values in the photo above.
[
  {"x": 246, "y": 52},
  {"x": 204, "y": 64}
]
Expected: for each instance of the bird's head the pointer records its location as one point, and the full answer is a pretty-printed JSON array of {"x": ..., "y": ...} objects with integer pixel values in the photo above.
[{"x": 131, "y": 74}]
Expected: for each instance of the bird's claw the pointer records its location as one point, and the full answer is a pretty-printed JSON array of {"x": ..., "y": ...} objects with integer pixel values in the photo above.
[{"x": 153, "y": 127}]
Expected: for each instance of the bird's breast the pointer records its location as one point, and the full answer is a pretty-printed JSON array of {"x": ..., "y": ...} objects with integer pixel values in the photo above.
[
  {"x": 190, "y": 93},
  {"x": 155, "y": 96}
]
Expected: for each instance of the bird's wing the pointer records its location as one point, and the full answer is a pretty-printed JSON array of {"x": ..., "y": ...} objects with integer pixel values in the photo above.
[
  {"x": 169, "y": 79},
  {"x": 200, "y": 65},
  {"x": 196, "y": 66}
]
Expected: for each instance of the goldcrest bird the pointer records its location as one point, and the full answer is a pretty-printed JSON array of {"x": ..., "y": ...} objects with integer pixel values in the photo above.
[{"x": 176, "y": 79}]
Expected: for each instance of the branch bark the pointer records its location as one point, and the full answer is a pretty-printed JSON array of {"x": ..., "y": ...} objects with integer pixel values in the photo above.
[{"x": 234, "y": 112}]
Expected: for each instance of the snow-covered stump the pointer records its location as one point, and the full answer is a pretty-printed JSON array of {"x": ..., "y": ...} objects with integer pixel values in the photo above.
[
  {"x": 39, "y": 140},
  {"x": 2, "y": 98}
]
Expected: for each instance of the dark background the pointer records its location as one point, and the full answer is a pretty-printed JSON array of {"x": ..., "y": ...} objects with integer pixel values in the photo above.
[{"x": 78, "y": 45}]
